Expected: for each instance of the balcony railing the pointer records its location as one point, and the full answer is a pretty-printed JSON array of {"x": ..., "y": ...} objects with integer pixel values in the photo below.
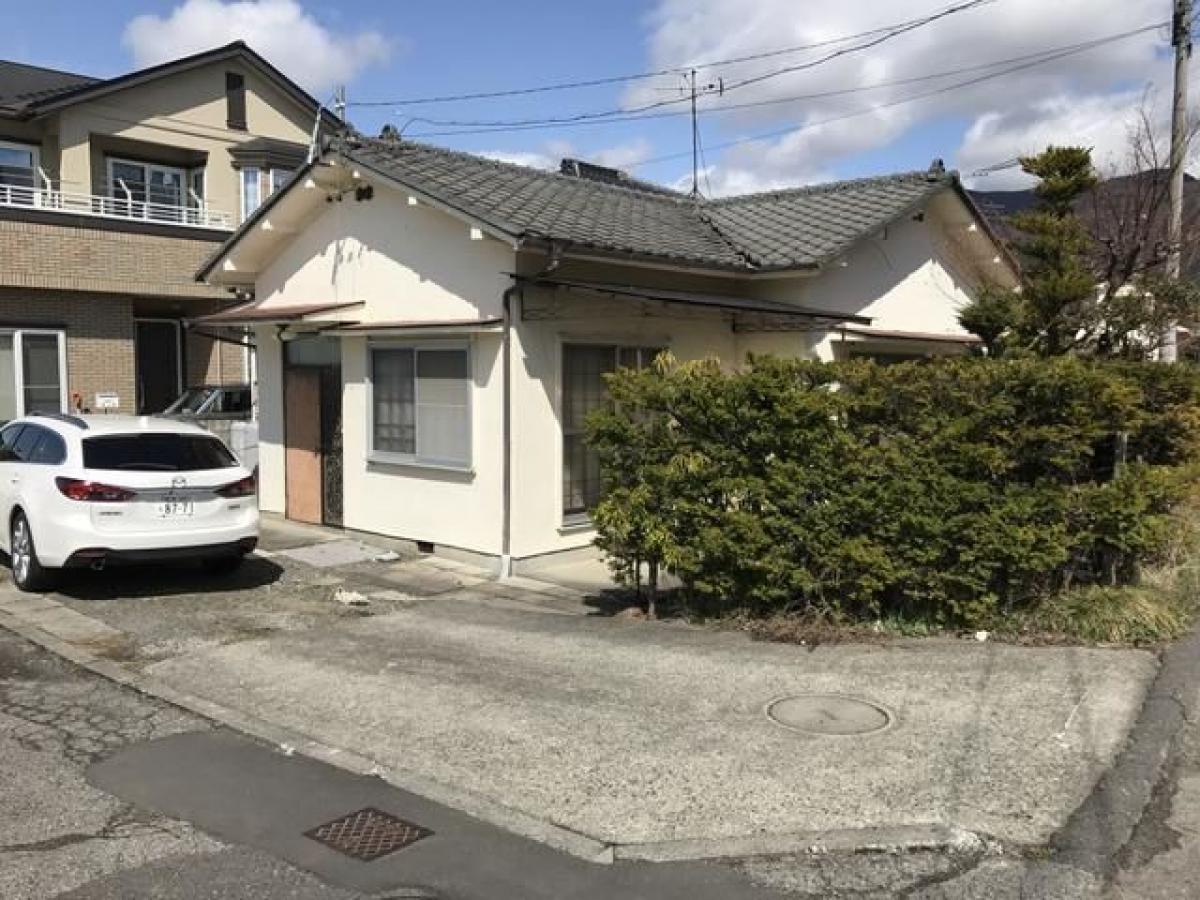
[{"x": 23, "y": 190}]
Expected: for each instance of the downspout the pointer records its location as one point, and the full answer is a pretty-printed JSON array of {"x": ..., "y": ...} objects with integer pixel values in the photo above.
[{"x": 506, "y": 417}]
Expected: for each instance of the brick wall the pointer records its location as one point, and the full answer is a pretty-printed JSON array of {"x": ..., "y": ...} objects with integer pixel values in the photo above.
[
  {"x": 69, "y": 258},
  {"x": 214, "y": 362},
  {"x": 99, "y": 337}
]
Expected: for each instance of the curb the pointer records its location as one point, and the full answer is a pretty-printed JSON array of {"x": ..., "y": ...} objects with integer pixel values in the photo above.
[{"x": 1104, "y": 823}]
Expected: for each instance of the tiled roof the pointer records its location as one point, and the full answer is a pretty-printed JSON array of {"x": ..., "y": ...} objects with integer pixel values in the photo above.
[
  {"x": 809, "y": 225},
  {"x": 22, "y": 85},
  {"x": 782, "y": 229}
]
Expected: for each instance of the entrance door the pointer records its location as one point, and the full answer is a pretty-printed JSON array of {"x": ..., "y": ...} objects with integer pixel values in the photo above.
[
  {"x": 302, "y": 438},
  {"x": 159, "y": 365}
]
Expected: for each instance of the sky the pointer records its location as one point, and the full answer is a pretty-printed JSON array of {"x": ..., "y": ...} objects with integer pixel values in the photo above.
[{"x": 975, "y": 88}]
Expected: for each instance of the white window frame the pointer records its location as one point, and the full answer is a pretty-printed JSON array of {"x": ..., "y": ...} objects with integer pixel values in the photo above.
[
  {"x": 390, "y": 458},
  {"x": 184, "y": 179},
  {"x": 258, "y": 196},
  {"x": 19, "y": 364},
  {"x": 284, "y": 175},
  {"x": 35, "y": 155},
  {"x": 39, "y": 178}
]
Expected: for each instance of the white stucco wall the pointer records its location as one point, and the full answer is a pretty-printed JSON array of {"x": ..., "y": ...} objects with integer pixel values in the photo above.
[
  {"x": 410, "y": 263},
  {"x": 269, "y": 363},
  {"x": 537, "y": 384}
]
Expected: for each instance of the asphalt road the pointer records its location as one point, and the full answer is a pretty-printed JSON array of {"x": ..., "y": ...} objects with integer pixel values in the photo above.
[{"x": 61, "y": 837}]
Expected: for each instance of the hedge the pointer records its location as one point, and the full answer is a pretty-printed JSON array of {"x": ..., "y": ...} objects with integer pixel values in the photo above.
[{"x": 952, "y": 490}]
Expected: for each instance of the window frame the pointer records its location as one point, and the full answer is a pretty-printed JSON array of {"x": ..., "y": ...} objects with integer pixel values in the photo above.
[
  {"x": 574, "y": 520},
  {"x": 146, "y": 167},
  {"x": 413, "y": 460},
  {"x": 35, "y": 156},
  {"x": 19, "y": 365},
  {"x": 256, "y": 180}
]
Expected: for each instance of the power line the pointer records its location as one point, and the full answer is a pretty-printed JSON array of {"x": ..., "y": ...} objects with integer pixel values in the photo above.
[
  {"x": 498, "y": 126},
  {"x": 906, "y": 25},
  {"x": 912, "y": 26},
  {"x": 898, "y": 102}
]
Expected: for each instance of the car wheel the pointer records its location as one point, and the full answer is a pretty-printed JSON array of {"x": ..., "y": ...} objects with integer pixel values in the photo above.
[
  {"x": 28, "y": 574},
  {"x": 223, "y": 565}
]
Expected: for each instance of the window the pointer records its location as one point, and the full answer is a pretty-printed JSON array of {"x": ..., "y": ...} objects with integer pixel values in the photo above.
[
  {"x": 26, "y": 441},
  {"x": 251, "y": 194},
  {"x": 147, "y": 190},
  {"x": 583, "y": 390},
  {"x": 51, "y": 450},
  {"x": 32, "y": 372},
  {"x": 279, "y": 178},
  {"x": 156, "y": 452},
  {"x": 18, "y": 168},
  {"x": 8, "y": 439},
  {"x": 420, "y": 405},
  {"x": 235, "y": 101}
]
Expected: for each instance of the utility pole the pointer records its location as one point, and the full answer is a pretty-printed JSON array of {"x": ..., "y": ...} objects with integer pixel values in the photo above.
[
  {"x": 339, "y": 102},
  {"x": 695, "y": 137},
  {"x": 695, "y": 91},
  {"x": 1181, "y": 39}
]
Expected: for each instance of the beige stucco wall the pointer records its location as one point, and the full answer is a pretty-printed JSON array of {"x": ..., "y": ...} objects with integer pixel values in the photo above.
[{"x": 183, "y": 110}]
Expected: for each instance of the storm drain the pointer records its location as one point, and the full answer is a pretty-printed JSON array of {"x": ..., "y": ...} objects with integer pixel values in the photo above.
[
  {"x": 368, "y": 834},
  {"x": 829, "y": 714}
]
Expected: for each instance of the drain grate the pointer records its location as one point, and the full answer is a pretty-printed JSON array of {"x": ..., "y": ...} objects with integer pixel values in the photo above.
[{"x": 368, "y": 834}]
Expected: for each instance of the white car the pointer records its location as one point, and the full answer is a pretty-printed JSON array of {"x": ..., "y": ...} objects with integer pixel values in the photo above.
[{"x": 80, "y": 491}]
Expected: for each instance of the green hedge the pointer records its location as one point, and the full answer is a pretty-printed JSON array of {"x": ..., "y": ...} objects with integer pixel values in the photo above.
[{"x": 950, "y": 490}]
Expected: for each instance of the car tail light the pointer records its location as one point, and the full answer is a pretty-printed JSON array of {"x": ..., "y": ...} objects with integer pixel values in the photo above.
[
  {"x": 242, "y": 488},
  {"x": 93, "y": 491}
]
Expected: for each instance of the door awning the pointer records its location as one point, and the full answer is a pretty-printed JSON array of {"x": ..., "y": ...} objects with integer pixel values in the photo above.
[
  {"x": 257, "y": 313},
  {"x": 927, "y": 337},
  {"x": 409, "y": 327},
  {"x": 721, "y": 302}
]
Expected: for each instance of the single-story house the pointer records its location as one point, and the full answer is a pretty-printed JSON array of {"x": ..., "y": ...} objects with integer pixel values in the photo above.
[{"x": 432, "y": 327}]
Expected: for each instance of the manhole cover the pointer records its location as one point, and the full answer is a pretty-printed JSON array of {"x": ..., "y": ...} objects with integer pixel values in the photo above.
[
  {"x": 367, "y": 834},
  {"x": 828, "y": 714}
]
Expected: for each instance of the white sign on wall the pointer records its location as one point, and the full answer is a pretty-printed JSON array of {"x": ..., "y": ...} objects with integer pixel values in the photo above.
[{"x": 107, "y": 400}]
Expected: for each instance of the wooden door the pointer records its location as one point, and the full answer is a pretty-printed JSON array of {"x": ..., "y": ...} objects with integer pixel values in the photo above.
[{"x": 302, "y": 438}]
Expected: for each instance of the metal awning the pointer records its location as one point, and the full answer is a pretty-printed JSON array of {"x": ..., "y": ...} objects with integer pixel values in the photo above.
[
  {"x": 445, "y": 326},
  {"x": 705, "y": 301},
  {"x": 256, "y": 313},
  {"x": 927, "y": 337}
]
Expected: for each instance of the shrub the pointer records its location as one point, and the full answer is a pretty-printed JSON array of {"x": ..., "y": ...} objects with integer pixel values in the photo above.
[{"x": 949, "y": 490}]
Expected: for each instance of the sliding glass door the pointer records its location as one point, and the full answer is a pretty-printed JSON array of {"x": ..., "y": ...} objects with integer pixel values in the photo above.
[{"x": 32, "y": 372}]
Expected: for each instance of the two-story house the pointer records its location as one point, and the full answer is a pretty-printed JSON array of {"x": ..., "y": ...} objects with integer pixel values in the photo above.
[{"x": 112, "y": 191}]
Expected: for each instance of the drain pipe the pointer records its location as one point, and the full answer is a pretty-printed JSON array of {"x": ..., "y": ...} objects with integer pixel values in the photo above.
[{"x": 506, "y": 418}]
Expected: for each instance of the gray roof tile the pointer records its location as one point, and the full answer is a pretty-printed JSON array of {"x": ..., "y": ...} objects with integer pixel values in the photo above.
[{"x": 796, "y": 228}]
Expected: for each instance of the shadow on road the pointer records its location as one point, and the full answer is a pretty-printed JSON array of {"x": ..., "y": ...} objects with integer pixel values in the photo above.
[{"x": 164, "y": 580}]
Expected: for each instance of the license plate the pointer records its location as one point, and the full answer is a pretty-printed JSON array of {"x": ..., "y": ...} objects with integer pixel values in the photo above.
[{"x": 174, "y": 509}]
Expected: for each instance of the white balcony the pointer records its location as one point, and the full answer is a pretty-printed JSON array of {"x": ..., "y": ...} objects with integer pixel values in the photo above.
[{"x": 125, "y": 202}]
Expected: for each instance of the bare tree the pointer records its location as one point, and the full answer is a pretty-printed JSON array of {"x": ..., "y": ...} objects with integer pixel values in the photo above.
[{"x": 1126, "y": 214}]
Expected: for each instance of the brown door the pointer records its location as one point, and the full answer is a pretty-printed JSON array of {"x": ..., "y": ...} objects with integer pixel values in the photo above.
[{"x": 302, "y": 437}]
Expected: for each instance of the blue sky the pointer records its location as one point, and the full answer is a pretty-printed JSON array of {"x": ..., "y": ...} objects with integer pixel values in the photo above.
[{"x": 392, "y": 50}]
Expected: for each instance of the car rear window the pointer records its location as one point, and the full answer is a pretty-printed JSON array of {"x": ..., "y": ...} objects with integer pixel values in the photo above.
[{"x": 154, "y": 452}]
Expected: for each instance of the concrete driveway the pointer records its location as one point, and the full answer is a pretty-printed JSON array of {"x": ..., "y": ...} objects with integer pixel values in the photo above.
[{"x": 515, "y": 704}]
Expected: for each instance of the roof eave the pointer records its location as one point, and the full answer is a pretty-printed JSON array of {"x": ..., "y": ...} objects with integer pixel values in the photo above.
[{"x": 236, "y": 49}]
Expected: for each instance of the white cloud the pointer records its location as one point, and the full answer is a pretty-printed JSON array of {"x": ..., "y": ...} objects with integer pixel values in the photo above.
[
  {"x": 1078, "y": 98},
  {"x": 618, "y": 156},
  {"x": 280, "y": 30}
]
